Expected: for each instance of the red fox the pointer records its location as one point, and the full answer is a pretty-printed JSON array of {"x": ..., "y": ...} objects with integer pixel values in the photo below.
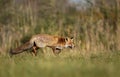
[{"x": 43, "y": 40}]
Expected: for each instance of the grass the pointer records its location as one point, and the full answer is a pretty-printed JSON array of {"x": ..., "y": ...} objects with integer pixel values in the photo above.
[
  {"x": 67, "y": 64},
  {"x": 96, "y": 29}
]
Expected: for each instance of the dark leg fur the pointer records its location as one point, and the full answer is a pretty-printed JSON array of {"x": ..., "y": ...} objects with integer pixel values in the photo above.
[{"x": 34, "y": 51}]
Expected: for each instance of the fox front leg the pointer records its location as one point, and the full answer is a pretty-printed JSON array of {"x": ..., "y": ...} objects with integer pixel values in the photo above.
[{"x": 56, "y": 51}]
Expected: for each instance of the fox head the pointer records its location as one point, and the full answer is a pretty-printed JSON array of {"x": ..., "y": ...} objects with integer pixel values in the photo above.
[{"x": 69, "y": 42}]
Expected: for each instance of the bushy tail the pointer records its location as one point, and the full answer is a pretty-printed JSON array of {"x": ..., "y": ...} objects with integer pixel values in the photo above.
[{"x": 21, "y": 48}]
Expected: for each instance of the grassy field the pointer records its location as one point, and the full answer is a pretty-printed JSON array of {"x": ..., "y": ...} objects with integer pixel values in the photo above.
[
  {"x": 96, "y": 33},
  {"x": 67, "y": 64}
]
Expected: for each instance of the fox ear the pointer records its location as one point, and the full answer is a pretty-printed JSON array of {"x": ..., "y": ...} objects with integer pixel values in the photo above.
[
  {"x": 72, "y": 38},
  {"x": 66, "y": 39}
]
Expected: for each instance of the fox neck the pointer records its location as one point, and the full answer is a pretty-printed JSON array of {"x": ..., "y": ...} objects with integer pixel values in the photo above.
[{"x": 61, "y": 41}]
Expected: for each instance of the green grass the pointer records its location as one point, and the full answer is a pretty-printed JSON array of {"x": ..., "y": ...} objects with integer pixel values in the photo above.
[
  {"x": 96, "y": 29},
  {"x": 65, "y": 65}
]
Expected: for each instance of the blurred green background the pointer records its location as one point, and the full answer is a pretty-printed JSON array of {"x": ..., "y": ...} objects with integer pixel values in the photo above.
[{"x": 94, "y": 24}]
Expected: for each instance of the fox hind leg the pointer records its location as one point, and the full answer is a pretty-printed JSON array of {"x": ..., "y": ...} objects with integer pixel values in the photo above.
[{"x": 34, "y": 51}]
